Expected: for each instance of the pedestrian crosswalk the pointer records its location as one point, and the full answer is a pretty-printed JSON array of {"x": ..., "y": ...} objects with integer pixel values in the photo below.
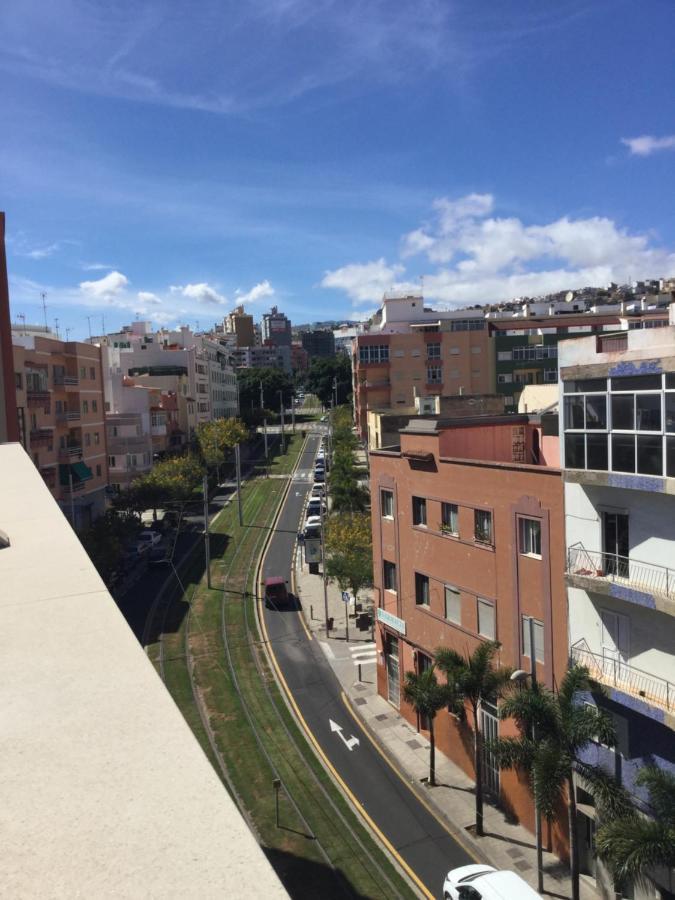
[{"x": 363, "y": 654}]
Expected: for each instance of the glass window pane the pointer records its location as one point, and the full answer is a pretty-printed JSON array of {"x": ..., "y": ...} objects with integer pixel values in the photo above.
[
  {"x": 453, "y": 605},
  {"x": 450, "y": 518},
  {"x": 582, "y": 385},
  {"x": 623, "y": 416},
  {"x": 670, "y": 380},
  {"x": 648, "y": 412},
  {"x": 574, "y": 412},
  {"x": 596, "y": 411},
  {"x": 574, "y": 451},
  {"x": 650, "y": 455},
  {"x": 637, "y": 383},
  {"x": 623, "y": 453},
  {"x": 596, "y": 452},
  {"x": 419, "y": 505},
  {"x": 670, "y": 457},
  {"x": 486, "y": 619},
  {"x": 670, "y": 412}
]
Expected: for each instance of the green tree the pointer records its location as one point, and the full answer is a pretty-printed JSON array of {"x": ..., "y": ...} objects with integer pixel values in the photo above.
[
  {"x": 326, "y": 371},
  {"x": 475, "y": 679},
  {"x": 631, "y": 844},
  {"x": 564, "y": 728},
  {"x": 426, "y": 696},
  {"x": 105, "y": 538},
  {"x": 171, "y": 480},
  {"x": 273, "y": 381},
  {"x": 217, "y": 438},
  {"x": 349, "y": 552}
]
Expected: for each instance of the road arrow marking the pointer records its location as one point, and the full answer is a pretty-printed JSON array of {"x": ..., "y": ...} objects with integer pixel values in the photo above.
[{"x": 349, "y": 744}]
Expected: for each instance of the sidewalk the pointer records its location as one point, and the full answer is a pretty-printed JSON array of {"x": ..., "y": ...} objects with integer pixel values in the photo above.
[{"x": 505, "y": 845}]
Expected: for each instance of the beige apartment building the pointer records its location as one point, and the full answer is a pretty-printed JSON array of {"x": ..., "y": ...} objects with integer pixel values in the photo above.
[
  {"x": 414, "y": 352},
  {"x": 61, "y": 414}
]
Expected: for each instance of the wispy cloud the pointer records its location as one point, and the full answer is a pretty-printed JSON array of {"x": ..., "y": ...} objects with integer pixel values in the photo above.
[
  {"x": 201, "y": 293},
  {"x": 96, "y": 267},
  {"x": 646, "y": 145},
  {"x": 364, "y": 282},
  {"x": 258, "y": 292}
]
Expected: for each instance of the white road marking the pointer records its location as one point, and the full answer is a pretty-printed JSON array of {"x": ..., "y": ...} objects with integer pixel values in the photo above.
[
  {"x": 349, "y": 743},
  {"x": 327, "y": 649},
  {"x": 364, "y": 662}
]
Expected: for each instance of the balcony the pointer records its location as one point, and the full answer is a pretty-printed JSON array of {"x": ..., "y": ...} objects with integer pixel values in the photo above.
[
  {"x": 38, "y": 399},
  {"x": 614, "y": 673},
  {"x": 49, "y": 476},
  {"x": 68, "y": 416},
  {"x": 41, "y": 437},
  {"x": 67, "y": 381},
  {"x": 72, "y": 451},
  {"x": 623, "y": 577}
]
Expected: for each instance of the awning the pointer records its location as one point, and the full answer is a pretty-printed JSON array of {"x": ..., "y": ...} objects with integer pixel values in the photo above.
[{"x": 78, "y": 471}]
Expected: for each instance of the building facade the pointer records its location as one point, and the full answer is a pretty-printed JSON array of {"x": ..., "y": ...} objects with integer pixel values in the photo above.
[
  {"x": 61, "y": 416},
  {"x": 276, "y": 328},
  {"x": 467, "y": 547},
  {"x": 240, "y": 324},
  {"x": 414, "y": 351},
  {"x": 618, "y": 433},
  {"x": 319, "y": 343}
]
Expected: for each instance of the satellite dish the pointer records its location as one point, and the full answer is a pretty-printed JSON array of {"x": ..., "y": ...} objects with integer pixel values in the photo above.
[{"x": 569, "y": 296}]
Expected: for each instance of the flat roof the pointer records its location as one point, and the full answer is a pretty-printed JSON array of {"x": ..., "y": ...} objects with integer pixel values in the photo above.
[{"x": 105, "y": 791}]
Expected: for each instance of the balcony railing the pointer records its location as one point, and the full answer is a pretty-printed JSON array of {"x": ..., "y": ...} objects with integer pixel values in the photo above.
[
  {"x": 610, "y": 567},
  {"x": 67, "y": 380},
  {"x": 41, "y": 436},
  {"x": 40, "y": 399},
  {"x": 625, "y": 678},
  {"x": 68, "y": 417},
  {"x": 72, "y": 450}
]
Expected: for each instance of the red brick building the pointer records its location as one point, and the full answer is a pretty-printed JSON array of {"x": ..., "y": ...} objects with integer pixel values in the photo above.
[{"x": 468, "y": 544}]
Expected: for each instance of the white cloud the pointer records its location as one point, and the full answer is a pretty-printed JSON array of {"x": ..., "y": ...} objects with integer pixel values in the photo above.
[
  {"x": 364, "y": 282},
  {"x": 41, "y": 252},
  {"x": 149, "y": 298},
  {"x": 106, "y": 288},
  {"x": 646, "y": 144},
  {"x": 202, "y": 292},
  {"x": 258, "y": 292},
  {"x": 483, "y": 258},
  {"x": 95, "y": 267}
]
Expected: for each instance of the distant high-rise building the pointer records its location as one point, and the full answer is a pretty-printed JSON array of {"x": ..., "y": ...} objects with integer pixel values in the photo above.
[
  {"x": 9, "y": 426},
  {"x": 240, "y": 324},
  {"x": 320, "y": 342},
  {"x": 276, "y": 328}
]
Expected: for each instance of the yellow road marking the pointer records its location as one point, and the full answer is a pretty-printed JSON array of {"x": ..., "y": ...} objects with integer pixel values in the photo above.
[{"x": 405, "y": 781}]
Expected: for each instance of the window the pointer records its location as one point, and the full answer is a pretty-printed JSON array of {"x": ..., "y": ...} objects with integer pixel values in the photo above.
[
  {"x": 433, "y": 351},
  {"x": 18, "y": 380},
  {"x": 421, "y": 589},
  {"x": 97, "y": 437},
  {"x": 450, "y": 518},
  {"x": 538, "y": 639},
  {"x": 419, "y": 511},
  {"x": 94, "y": 405},
  {"x": 505, "y": 379},
  {"x": 112, "y": 463},
  {"x": 434, "y": 374},
  {"x": 374, "y": 353},
  {"x": 550, "y": 375},
  {"x": 85, "y": 406},
  {"x": 530, "y": 537},
  {"x": 98, "y": 470},
  {"x": 92, "y": 373},
  {"x": 453, "y": 605},
  {"x": 503, "y": 355},
  {"x": 87, "y": 440},
  {"x": 486, "y": 619},
  {"x": 389, "y": 576},
  {"x": 387, "y": 504},
  {"x": 482, "y": 526}
]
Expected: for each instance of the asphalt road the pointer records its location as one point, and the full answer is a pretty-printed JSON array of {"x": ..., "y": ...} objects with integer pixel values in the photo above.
[{"x": 415, "y": 833}]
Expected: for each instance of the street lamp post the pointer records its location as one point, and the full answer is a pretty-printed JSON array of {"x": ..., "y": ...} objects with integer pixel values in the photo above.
[
  {"x": 281, "y": 409},
  {"x": 323, "y": 566},
  {"x": 521, "y": 676},
  {"x": 262, "y": 407}
]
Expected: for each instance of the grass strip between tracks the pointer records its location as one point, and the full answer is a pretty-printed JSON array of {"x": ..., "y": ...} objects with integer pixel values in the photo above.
[{"x": 321, "y": 848}]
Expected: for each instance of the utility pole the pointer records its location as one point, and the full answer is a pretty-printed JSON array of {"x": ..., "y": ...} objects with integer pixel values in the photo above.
[
  {"x": 262, "y": 407},
  {"x": 89, "y": 323},
  {"x": 44, "y": 310},
  {"x": 293, "y": 412},
  {"x": 56, "y": 328},
  {"x": 207, "y": 545},
  {"x": 281, "y": 408},
  {"x": 323, "y": 567},
  {"x": 237, "y": 458}
]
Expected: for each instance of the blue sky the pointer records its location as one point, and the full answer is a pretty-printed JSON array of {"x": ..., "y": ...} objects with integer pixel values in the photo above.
[{"x": 170, "y": 159}]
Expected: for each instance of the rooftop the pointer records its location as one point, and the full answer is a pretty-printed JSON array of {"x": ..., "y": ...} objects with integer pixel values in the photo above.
[{"x": 105, "y": 791}]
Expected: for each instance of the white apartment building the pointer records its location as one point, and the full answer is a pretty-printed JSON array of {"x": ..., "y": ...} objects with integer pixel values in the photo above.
[{"x": 618, "y": 443}]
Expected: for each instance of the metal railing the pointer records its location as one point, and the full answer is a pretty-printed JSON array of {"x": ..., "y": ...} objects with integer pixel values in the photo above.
[
  {"x": 68, "y": 380},
  {"x": 70, "y": 451},
  {"x": 644, "y": 576},
  {"x": 618, "y": 674}
]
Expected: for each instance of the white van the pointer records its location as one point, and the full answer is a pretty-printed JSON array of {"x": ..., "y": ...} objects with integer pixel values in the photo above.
[{"x": 485, "y": 883}]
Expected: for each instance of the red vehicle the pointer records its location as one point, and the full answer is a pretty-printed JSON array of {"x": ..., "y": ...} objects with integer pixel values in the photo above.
[{"x": 276, "y": 592}]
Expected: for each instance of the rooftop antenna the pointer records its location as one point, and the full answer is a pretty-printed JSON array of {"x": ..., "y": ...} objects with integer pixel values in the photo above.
[
  {"x": 56, "y": 328},
  {"x": 89, "y": 323},
  {"x": 23, "y": 319},
  {"x": 44, "y": 308},
  {"x": 68, "y": 330},
  {"x": 102, "y": 324}
]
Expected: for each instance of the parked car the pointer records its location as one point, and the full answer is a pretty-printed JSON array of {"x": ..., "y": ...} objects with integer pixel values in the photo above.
[
  {"x": 318, "y": 490},
  {"x": 319, "y": 475},
  {"x": 315, "y": 505},
  {"x": 276, "y": 592},
  {"x": 158, "y": 555},
  {"x": 310, "y": 521},
  {"x": 478, "y": 882},
  {"x": 151, "y": 538}
]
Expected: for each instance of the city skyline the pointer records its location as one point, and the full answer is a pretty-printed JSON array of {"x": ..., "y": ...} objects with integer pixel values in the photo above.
[{"x": 315, "y": 155}]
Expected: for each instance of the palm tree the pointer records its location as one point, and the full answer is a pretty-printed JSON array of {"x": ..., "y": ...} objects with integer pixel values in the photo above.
[
  {"x": 563, "y": 728},
  {"x": 632, "y": 844},
  {"x": 475, "y": 679},
  {"x": 426, "y": 696}
]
